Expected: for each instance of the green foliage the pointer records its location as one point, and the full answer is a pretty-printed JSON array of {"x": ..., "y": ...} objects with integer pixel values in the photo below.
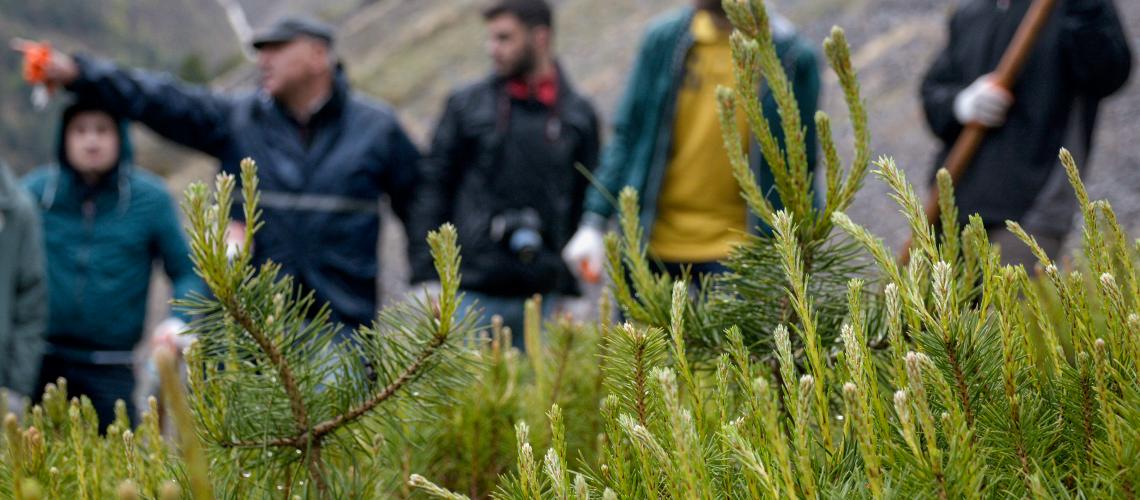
[
  {"x": 282, "y": 394},
  {"x": 193, "y": 69},
  {"x": 280, "y": 406},
  {"x": 968, "y": 402},
  {"x": 982, "y": 381},
  {"x": 56, "y": 450},
  {"x": 951, "y": 376},
  {"x": 475, "y": 444}
]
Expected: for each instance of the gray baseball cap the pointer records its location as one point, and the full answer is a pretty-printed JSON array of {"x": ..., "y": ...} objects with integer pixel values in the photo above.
[{"x": 289, "y": 28}]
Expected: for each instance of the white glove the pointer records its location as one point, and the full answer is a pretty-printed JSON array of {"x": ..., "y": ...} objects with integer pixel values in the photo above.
[
  {"x": 170, "y": 334},
  {"x": 585, "y": 255},
  {"x": 983, "y": 102},
  {"x": 17, "y": 403},
  {"x": 426, "y": 290}
]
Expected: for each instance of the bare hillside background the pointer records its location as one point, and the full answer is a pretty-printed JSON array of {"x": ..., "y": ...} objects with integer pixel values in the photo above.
[{"x": 410, "y": 53}]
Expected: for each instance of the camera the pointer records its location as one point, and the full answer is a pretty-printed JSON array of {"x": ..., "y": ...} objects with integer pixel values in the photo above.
[{"x": 520, "y": 230}]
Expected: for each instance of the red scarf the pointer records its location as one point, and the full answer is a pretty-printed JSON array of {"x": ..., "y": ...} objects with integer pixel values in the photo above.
[{"x": 544, "y": 91}]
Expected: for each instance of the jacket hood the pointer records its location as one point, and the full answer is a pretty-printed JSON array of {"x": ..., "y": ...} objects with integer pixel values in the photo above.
[
  {"x": 65, "y": 178},
  {"x": 126, "y": 151}
]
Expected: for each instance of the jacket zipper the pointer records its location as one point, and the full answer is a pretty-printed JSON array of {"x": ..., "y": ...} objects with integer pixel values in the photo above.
[{"x": 89, "y": 213}]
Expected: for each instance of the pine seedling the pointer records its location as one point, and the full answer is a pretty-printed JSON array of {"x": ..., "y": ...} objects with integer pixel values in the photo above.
[
  {"x": 633, "y": 354},
  {"x": 773, "y": 432},
  {"x": 865, "y": 432},
  {"x": 804, "y": 311},
  {"x": 803, "y": 439},
  {"x": 295, "y": 393}
]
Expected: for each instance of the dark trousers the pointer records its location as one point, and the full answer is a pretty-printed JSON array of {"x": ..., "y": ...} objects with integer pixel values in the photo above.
[
  {"x": 102, "y": 384},
  {"x": 697, "y": 272}
]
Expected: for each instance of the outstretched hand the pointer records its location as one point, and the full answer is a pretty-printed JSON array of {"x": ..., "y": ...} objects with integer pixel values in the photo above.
[
  {"x": 44, "y": 65},
  {"x": 585, "y": 254}
]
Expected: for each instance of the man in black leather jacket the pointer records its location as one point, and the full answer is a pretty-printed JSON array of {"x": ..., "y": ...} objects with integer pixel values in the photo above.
[{"x": 502, "y": 169}]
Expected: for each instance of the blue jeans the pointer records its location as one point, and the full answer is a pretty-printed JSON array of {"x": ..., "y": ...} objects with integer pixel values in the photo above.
[{"x": 511, "y": 309}]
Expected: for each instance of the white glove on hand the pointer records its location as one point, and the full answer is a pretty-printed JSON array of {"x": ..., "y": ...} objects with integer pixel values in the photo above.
[
  {"x": 585, "y": 254},
  {"x": 983, "y": 102},
  {"x": 17, "y": 403},
  {"x": 169, "y": 334}
]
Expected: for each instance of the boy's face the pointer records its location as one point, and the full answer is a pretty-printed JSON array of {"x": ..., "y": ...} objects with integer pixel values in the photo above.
[{"x": 92, "y": 142}]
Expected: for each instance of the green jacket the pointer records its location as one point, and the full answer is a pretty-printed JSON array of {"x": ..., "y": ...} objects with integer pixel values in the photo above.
[
  {"x": 638, "y": 152},
  {"x": 101, "y": 245},
  {"x": 23, "y": 288}
]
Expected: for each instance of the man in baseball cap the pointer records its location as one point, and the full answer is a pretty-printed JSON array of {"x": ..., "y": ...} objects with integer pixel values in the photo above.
[{"x": 290, "y": 28}]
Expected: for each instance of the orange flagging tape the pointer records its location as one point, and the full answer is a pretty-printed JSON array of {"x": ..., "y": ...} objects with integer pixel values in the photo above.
[
  {"x": 36, "y": 59},
  {"x": 589, "y": 274}
]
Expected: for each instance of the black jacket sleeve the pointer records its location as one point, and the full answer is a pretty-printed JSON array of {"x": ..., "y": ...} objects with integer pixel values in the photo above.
[
  {"x": 189, "y": 115},
  {"x": 942, "y": 83},
  {"x": 401, "y": 173},
  {"x": 439, "y": 178},
  {"x": 1095, "y": 46}
]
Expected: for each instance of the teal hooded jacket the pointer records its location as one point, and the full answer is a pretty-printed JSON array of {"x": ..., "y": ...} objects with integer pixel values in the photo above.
[
  {"x": 101, "y": 245},
  {"x": 638, "y": 152}
]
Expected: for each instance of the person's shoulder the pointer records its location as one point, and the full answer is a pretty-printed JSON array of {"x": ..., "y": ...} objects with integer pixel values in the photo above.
[
  {"x": 35, "y": 180},
  {"x": 372, "y": 120},
  {"x": 21, "y": 202},
  {"x": 372, "y": 114},
  {"x": 243, "y": 98},
  {"x": 966, "y": 11},
  {"x": 668, "y": 24},
  {"x": 148, "y": 186},
  {"x": 465, "y": 93},
  {"x": 577, "y": 102},
  {"x": 473, "y": 87},
  {"x": 583, "y": 103},
  {"x": 807, "y": 53},
  {"x": 371, "y": 107}
]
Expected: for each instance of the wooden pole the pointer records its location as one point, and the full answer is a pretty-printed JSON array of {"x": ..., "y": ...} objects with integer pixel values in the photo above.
[{"x": 959, "y": 159}]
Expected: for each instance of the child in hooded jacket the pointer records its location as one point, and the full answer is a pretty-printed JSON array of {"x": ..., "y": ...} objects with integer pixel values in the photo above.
[{"x": 106, "y": 223}]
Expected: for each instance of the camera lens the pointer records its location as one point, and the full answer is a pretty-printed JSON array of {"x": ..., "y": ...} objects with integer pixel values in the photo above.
[{"x": 526, "y": 243}]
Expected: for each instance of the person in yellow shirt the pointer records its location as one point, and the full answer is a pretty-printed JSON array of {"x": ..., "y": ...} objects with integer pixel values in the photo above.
[
  {"x": 668, "y": 145},
  {"x": 700, "y": 215}
]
